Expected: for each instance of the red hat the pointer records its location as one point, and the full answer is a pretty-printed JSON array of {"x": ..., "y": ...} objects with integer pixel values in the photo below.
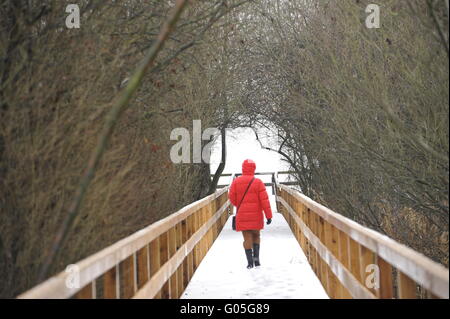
[{"x": 248, "y": 167}]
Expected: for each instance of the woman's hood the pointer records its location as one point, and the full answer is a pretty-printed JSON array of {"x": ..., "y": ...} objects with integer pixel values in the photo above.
[{"x": 248, "y": 167}]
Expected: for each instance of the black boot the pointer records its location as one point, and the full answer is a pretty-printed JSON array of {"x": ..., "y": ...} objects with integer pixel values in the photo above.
[
  {"x": 256, "y": 255},
  {"x": 249, "y": 254}
]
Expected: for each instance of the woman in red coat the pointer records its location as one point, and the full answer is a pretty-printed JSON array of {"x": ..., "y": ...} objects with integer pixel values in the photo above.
[{"x": 250, "y": 218}]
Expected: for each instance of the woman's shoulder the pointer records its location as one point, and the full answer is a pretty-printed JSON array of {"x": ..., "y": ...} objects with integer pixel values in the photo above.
[
  {"x": 257, "y": 182},
  {"x": 246, "y": 179}
]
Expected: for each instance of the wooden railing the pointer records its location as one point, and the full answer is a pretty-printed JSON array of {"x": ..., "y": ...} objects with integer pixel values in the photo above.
[
  {"x": 155, "y": 262},
  {"x": 270, "y": 184},
  {"x": 353, "y": 261}
]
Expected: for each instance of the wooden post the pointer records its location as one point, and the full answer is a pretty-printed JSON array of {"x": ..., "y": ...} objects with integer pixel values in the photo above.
[
  {"x": 386, "y": 280},
  {"x": 198, "y": 249},
  {"x": 299, "y": 237},
  {"x": 211, "y": 230},
  {"x": 334, "y": 249},
  {"x": 312, "y": 250},
  {"x": 164, "y": 256},
  {"x": 204, "y": 240},
  {"x": 324, "y": 266},
  {"x": 332, "y": 281},
  {"x": 184, "y": 236},
  {"x": 110, "y": 284},
  {"x": 214, "y": 227},
  {"x": 344, "y": 258},
  {"x": 200, "y": 243},
  {"x": 180, "y": 287},
  {"x": 127, "y": 276},
  {"x": 195, "y": 250},
  {"x": 319, "y": 260},
  {"x": 143, "y": 266},
  {"x": 191, "y": 255},
  {"x": 315, "y": 253},
  {"x": 406, "y": 287},
  {"x": 354, "y": 256},
  {"x": 155, "y": 259},
  {"x": 298, "y": 233},
  {"x": 305, "y": 221},
  {"x": 172, "y": 250}
]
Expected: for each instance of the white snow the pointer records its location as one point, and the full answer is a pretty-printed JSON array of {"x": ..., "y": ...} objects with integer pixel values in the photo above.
[{"x": 284, "y": 273}]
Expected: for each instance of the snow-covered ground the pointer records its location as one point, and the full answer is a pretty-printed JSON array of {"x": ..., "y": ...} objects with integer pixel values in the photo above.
[{"x": 284, "y": 273}]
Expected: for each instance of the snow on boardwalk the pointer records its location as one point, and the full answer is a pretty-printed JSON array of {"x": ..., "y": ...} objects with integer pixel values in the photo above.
[{"x": 284, "y": 272}]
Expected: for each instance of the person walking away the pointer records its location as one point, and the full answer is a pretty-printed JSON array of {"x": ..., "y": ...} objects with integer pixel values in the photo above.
[{"x": 250, "y": 217}]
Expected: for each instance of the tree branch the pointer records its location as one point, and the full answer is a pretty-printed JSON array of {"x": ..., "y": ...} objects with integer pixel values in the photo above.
[{"x": 111, "y": 120}]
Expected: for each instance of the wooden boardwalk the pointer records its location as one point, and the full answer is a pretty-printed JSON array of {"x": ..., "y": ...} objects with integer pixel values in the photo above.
[{"x": 161, "y": 260}]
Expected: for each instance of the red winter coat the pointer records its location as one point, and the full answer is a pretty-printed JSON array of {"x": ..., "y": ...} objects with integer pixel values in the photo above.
[{"x": 250, "y": 215}]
